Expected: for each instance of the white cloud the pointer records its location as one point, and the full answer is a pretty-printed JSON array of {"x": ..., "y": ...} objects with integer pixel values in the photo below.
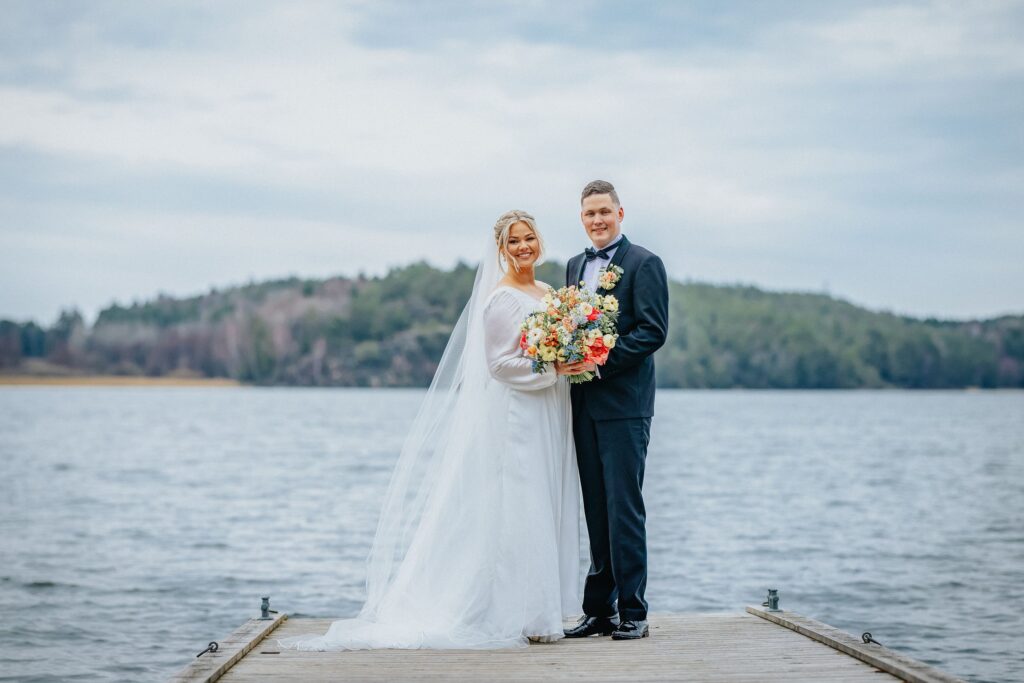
[
  {"x": 940, "y": 40},
  {"x": 751, "y": 161}
]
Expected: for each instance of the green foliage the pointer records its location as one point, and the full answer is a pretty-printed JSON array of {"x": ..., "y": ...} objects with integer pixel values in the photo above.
[
  {"x": 744, "y": 337},
  {"x": 260, "y": 361},
  {"x": 392, "y": 330},
  {"x": 222, "y": 311},
  {"x": 1013, "y": 343},
  {"x": 383, "y": 307},
  {"x": 65, "y": 325},
  {"x": 33, "y": 340},
  {"x": 551, "y": 273},
  {"x": 306, "y": 330},
  {"x": 369, "y": 353},
  {"x": 164, "y": 312},
  {"x": 10, "y": 343}
]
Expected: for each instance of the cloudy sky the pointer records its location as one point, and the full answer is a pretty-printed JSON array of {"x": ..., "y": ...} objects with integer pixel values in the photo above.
[{"x": 873, "y": 150}]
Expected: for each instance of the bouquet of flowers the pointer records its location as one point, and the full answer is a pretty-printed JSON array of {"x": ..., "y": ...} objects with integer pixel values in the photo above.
[{"x": 575, "y": 325}]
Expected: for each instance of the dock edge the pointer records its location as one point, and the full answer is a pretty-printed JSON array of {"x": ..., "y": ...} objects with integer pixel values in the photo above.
[
  {"x": 213, "y": 665},
  {"x": 878, "y": 656}
]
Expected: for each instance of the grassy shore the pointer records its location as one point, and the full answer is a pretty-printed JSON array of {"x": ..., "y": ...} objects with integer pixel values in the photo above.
[{"x": 113, "y": 381}]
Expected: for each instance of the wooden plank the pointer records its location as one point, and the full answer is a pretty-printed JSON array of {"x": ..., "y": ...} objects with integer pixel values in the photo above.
[
  {"x": 213, "y": 665},
  {"x": 713, "y": 648},
  {"x": 876, "y": 655}
]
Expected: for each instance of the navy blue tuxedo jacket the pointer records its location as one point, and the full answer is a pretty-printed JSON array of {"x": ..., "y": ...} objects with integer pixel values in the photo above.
[{"x": 625, "y": 388}]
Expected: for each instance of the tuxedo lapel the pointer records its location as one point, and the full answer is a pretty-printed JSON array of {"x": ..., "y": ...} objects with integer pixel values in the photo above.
[
  {"x": 620, "y": 253},
  {"x": 579, "y": 270}
]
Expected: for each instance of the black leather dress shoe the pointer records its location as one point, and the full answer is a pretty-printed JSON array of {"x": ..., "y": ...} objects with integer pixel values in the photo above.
[
  {"x": 590, "y": 626},
  {"x": 631, "y": 630}
]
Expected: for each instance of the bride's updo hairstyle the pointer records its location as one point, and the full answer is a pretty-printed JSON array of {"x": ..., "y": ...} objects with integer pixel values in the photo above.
[{"x": 501, "y": 230}]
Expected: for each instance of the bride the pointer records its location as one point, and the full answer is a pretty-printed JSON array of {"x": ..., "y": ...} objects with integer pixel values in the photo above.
[{"x": 477, "y": 545}]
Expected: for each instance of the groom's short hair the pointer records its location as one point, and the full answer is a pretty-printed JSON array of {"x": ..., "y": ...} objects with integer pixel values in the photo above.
[{"x": 600, "y": 187}]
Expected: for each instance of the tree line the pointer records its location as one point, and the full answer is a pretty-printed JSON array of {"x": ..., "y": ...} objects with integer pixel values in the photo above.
[{"x": 391, "y": 331}]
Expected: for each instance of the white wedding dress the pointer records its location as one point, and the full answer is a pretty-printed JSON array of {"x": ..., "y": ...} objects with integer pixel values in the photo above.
[{"x": 478, "y": 540}]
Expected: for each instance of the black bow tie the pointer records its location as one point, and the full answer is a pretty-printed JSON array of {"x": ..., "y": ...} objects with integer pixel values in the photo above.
[{"x": 592, "y": 253}]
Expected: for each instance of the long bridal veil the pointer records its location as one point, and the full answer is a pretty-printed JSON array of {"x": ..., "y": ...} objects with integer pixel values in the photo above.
[
  {"x": 434, "y": 572},
  {"x": 451, "y": 409}
]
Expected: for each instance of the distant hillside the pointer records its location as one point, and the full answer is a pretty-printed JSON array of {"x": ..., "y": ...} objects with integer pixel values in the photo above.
[{"x": 391, "y": 330}]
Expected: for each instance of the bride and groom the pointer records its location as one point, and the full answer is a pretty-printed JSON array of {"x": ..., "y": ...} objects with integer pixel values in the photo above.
[{"x": 477, "y": 545}]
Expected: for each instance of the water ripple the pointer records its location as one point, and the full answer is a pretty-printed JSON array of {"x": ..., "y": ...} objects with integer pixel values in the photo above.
[{"x": 164, "y": 514}]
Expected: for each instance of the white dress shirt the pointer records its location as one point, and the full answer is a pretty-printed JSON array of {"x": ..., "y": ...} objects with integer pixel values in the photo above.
[{"x": 594, "y": 266}]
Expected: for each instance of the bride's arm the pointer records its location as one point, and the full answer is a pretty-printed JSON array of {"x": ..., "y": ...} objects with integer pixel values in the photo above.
[{"x": 505, "y": 359}]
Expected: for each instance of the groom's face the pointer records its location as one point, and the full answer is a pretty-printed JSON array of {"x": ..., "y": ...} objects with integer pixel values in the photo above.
[{"x": 602, "y": 219}]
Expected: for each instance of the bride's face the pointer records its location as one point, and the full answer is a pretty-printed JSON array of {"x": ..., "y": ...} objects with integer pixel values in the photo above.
[{"x": 523, "y": 247}]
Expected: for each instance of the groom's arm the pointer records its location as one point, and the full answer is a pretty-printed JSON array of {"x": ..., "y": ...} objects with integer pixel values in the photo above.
[{"x": 650, "y": 306}]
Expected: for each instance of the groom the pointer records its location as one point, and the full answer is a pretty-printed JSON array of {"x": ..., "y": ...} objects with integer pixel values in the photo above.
[{"x": 612, "y": 419}]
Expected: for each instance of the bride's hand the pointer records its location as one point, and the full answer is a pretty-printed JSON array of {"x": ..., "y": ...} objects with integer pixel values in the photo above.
[{"x": 570, "y": 368}]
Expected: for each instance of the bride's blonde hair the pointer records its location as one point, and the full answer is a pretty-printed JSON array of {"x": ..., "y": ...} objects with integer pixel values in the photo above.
[{"x": 501, "y": 230}]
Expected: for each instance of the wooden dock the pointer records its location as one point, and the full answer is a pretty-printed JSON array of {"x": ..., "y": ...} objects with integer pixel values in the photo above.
[{"x": 755, "y": 645}]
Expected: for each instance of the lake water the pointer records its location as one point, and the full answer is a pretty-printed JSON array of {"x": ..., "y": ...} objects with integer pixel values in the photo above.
[{"x": 140, "y": 523}]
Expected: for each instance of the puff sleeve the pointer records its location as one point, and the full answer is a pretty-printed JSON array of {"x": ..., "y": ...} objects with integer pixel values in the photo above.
[{"x": 505, "y": 361}]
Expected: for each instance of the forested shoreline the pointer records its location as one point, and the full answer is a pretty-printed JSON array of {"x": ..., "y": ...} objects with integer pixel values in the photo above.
[{"x": 390, "y": 331}]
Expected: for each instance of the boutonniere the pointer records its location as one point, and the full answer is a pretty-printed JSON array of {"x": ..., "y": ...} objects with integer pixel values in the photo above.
[{"x": 608, "y": 277}]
